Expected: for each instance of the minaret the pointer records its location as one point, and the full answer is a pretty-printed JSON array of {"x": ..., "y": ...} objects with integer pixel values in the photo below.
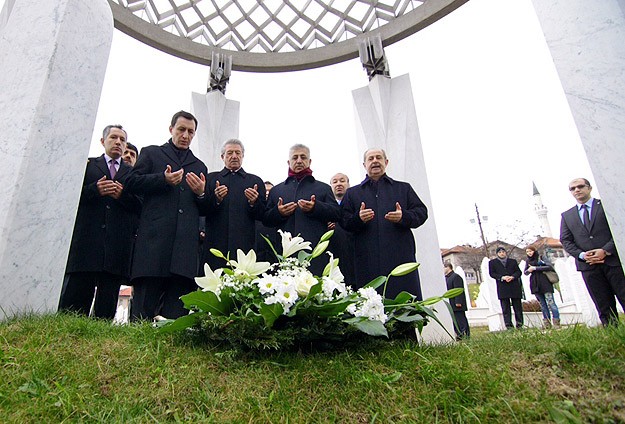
[{"x": 541, "y": 211}]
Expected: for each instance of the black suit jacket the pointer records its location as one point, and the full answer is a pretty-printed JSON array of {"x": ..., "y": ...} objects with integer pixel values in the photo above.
[
  {"x": 576, "y": 238},
  {"x": 454, "y": 281},
  {"x": 103, "y": 232},
  {"x": 168, "y": 236},
  {"x": 513, "y": 289}
]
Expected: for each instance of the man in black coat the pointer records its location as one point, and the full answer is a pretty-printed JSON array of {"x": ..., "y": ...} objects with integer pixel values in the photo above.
[
  {"x": 585, "y": 235},
  {"x": 342, "y": 242},
  {"x": 506, "y": 272},
  {"x": 99, "y": 254},
  {"x": 238, "y": 201},
  {"x": 301, "y": 205},
  {"x": 165, "y": 261},
  {"x": 458, "y": 303},
  {"x": 381, "y": 212}
]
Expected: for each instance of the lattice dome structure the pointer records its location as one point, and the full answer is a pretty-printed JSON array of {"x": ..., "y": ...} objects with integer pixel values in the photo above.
[{"x": 273, "y": 35}]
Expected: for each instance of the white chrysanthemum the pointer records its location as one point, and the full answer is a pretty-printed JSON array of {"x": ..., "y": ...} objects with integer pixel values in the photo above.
[
  {"x": 304, "y": 280},
  {"x": 286, "y": 295},
  {"x": 370, "y": 307},
  {"x": 267, "y": 284}
]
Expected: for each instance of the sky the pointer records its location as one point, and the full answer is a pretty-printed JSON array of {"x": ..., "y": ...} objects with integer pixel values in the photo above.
[{"x": 492, "y": 115}]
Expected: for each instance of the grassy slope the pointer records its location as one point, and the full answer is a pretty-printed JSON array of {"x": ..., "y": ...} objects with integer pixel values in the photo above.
[{"x": 64, "y": 368}]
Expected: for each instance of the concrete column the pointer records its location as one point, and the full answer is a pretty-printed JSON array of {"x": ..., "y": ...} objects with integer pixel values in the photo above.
[
  {"x": 587, "y": 44},
  {"x": 218, "y": 121},
  {"x": 386, "y": 118},
  {"x": 53, "y": 56}
]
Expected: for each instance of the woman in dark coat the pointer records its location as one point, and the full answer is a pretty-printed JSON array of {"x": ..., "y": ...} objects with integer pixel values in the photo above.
[{"x": 541, "y": 287}]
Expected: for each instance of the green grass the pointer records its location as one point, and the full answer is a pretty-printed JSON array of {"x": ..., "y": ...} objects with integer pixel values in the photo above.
[{"x": 70, "y": 369}]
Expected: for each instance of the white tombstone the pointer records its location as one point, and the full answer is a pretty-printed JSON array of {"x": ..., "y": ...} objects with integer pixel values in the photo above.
[
  {"x": 386, "y": 118},
  {"x": 218, "y": 121},
  {"x": 53, "y": 57},
  {"x": 587, "y": 43}
]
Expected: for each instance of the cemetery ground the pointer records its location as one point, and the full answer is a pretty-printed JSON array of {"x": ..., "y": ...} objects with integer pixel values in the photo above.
[{"x": 63, "y": 368}]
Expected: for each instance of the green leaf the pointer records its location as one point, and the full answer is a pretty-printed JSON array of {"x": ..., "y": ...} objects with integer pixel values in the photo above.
[
  {"x": 272, "y": 248},
  {"x": 303, "y": 256},
  {"x": 367, "y": 326},
  {"x": 376, "y": 282},
  {"x": 392, "y": 378},
  {"x": 453, "y": 293},
  {"x": 271, "y": 313},
  {"x": 401, "y": 298},
  {"x": 326, "y": 236},
  {"x": 330, "y": 309},
  {"x": 432, "y": 300},
  {"x": 208, "y": 302},
  {"x": 319, "y": 249},
  {"x": 185, "y": 321},
  {"x": 404, "y": 269}
]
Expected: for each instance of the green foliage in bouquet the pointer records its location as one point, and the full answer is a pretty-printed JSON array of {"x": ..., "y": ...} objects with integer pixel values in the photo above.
[{"x": 258, "y": 305}]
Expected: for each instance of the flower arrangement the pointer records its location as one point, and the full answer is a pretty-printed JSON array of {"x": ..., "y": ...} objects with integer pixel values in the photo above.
[{"x": 260, "y": 305}]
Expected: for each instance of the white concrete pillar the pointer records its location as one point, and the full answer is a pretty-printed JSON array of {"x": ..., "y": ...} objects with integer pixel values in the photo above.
[
  {"x": 386, "y": 118},
  {"x": 53, "y": 56},
  {"x": 587, "y": 44},
  {"x": 218, "y": 121}
]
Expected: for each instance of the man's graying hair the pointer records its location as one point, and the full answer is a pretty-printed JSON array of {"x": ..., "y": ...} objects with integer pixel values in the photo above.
[
  {"x": 107, "y": 130},
  {"x": 232, "y": 141},
  {"x": 299, "y": 147},
  {"x": 364, "y": 156}
]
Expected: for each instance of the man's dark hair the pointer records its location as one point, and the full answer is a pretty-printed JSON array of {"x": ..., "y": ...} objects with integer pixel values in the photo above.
[
  {"x": 449, "y": 266},
  {"x": 183, "y": 114},
  {"x": 107, "y": 130},
  {"x": 268, "y": 182},
  {"x": 132, "y": 147}
]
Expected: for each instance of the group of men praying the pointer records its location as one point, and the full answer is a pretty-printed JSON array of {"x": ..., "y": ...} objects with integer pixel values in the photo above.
[{"x": 139, "y": 223}]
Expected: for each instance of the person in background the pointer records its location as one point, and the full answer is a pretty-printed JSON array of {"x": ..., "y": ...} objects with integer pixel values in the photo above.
[
  {"x": 342, "y": 242},
  {"x": 130, "y": 154},
  {"x": 507, "y": 274},
  {"x": 458, "y": 303},
  {"x": 541, "y": 287}
]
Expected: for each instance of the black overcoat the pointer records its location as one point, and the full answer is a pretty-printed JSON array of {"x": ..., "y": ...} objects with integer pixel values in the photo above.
[
  {"x": 381, "y": 245},
  {"x": 539, "y": 283},
  {"x": 103, "y": 232},
  {"x": 168, "y": 236},
  {"x": 511, "y": 290},
  {"x": 454, "y": 281},
  {"x": 231, "y": 223},
  {"x": 309, "y": 225}
]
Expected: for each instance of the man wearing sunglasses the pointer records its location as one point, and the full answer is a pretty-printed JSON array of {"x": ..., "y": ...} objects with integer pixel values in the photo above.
[{"x": 585, "y": 235}]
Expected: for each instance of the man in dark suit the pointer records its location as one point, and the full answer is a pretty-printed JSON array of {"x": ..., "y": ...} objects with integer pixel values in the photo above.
[
  {"x": 302, "y": 205},
  {"x": 99, "y": 254},
  {"x": 342, "y": 242},
  {"x": 458, "y": 303},
  {"x": 238, "y": 201},
  {"x": 171, "y": 181},
  {"x": 585, "y": 235},
  {"x": 381, "y": 213},
  {"x": 506, "y": 272}
]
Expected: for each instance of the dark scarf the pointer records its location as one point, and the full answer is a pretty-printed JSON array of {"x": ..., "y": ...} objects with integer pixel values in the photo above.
[
  {"x": 299, "y": 176},
  {"x": 181, "y": 153},
  {"x": 503, "y": 261},
  {"x": 533, "y": 261}
]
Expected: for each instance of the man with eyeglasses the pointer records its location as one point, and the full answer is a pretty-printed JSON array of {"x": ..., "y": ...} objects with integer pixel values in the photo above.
[{"x": 585, "y": 235}]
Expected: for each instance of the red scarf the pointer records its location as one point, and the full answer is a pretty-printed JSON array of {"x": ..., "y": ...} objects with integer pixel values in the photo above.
[{"x": 299, "y": 176}]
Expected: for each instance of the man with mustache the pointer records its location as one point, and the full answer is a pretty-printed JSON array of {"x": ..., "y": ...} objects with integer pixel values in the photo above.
[
  {"x": 237, "y": 202},
  {"x": 381, "y": 212}
]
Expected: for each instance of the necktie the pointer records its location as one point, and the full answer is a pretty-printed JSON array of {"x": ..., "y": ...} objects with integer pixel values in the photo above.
[
  {"x": 586, "y": 217},
  {"x": 112, "y": 169}
]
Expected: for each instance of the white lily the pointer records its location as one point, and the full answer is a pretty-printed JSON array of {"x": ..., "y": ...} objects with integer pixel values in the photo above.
[
  {"x": 211, "y": 281},
  {"x": 291, "y": 245},
  {"x": 334, "y": 272},
  {"x": 246, "y": 264}
]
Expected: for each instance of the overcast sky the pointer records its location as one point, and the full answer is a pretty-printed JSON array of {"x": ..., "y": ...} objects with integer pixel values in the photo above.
[{"x": 491, "y": 110}]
